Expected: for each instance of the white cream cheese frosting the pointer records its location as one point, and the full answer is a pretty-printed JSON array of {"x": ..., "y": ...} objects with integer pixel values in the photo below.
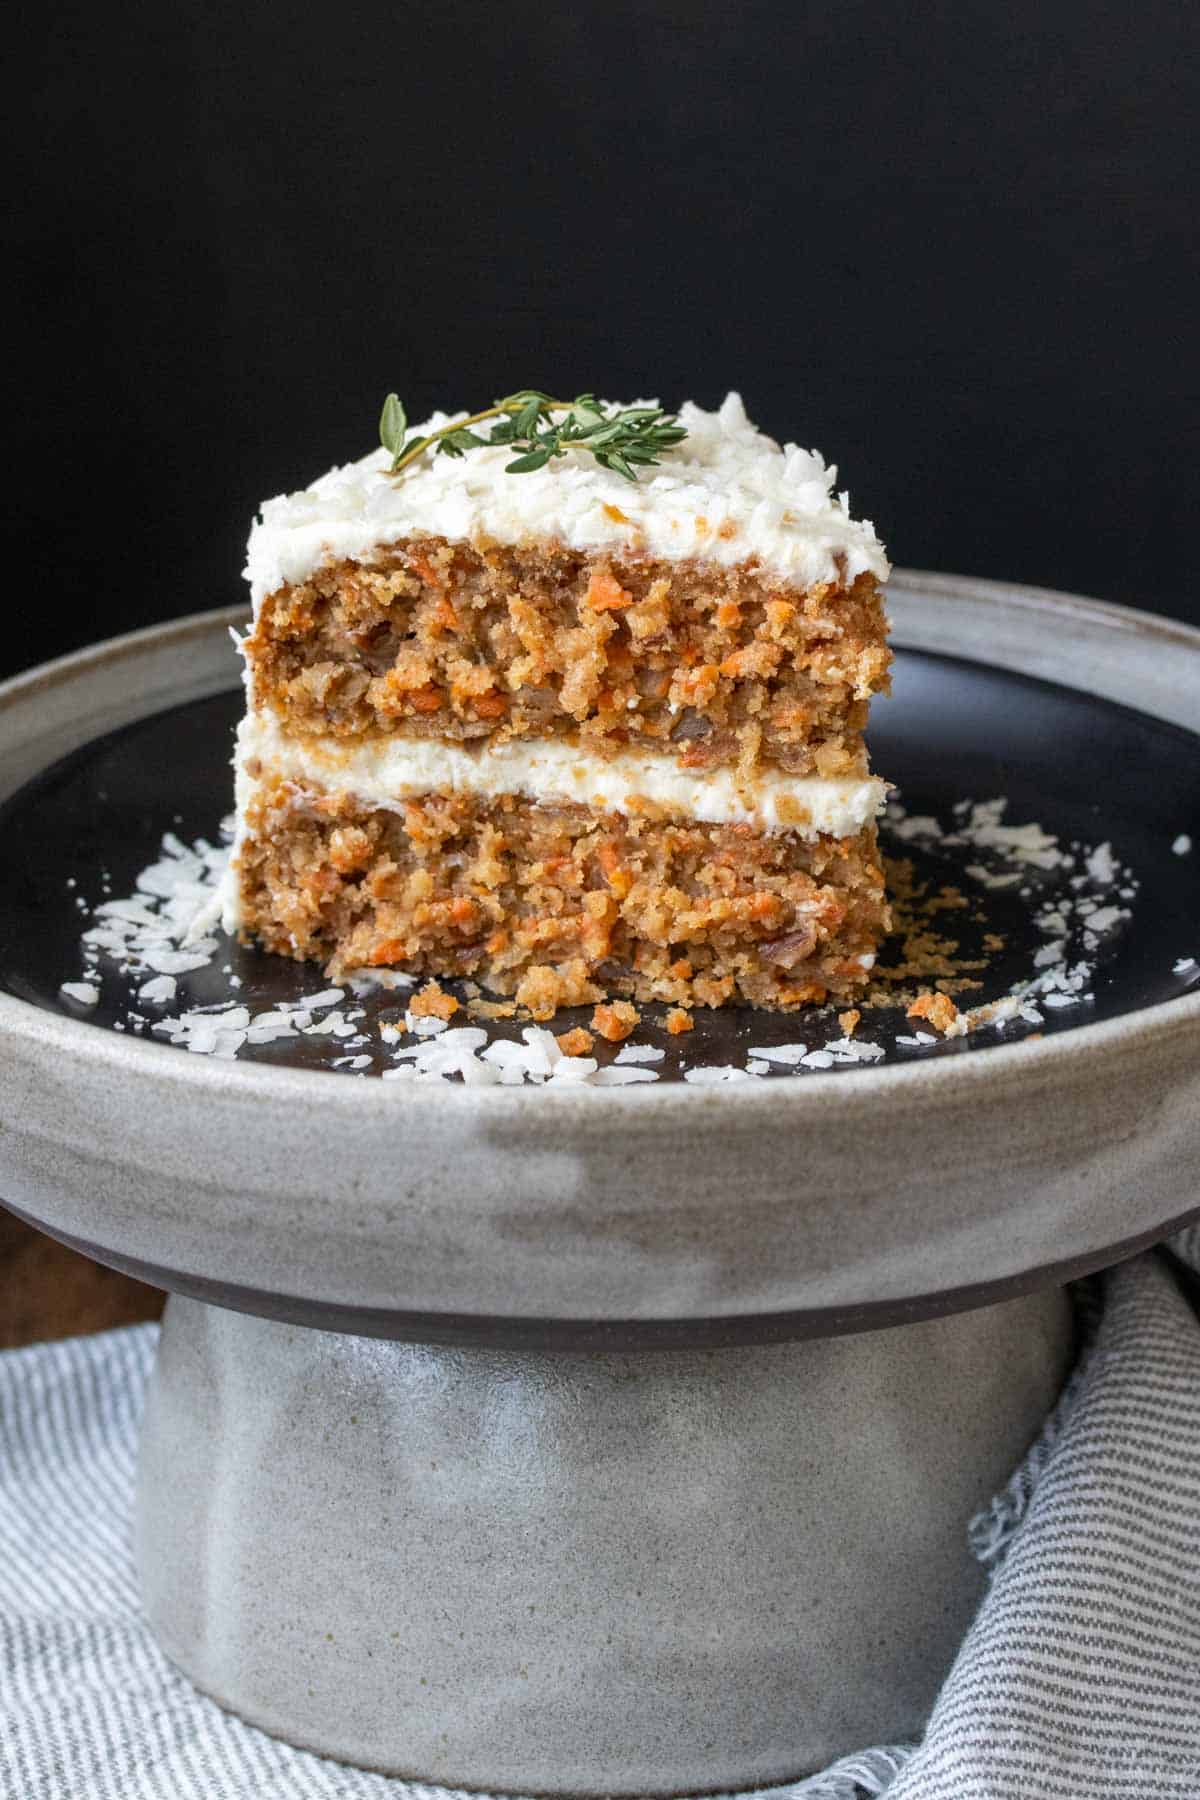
[
  {"x": 727, "y": 494},
  {"x": 384, "y": 772}
]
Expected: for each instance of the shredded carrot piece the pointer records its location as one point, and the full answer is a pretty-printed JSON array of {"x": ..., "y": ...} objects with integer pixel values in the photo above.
[
  {"x": 576, "y": 1042},
  {"x": 392, "y": 950},
  {"x": 425, "y": 570},
  {"x": 426, "y": 699},
  {"x": 679, "y": 1021},
  {"x": 605, "y": 593},
  {"x": 618, "y": 878},
  {"x": 729, "y": 614},
  {"x": 491, "y": 706}
]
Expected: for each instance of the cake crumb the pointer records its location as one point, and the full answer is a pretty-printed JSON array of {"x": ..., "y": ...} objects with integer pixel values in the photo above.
[
  {"x": 679, "y": 1021},
  {"x": 491, "y": 1009},
  {"x": 939, "y": 1009},
  {"x": 433, "y": 1002},
  {"x": 576, "y": 1042},
  {"x": 616, "y": 1020},
  {"x": 849, "y": 1021}
]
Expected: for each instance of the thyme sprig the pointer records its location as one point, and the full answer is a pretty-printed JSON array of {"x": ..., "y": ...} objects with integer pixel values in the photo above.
[{"x": 622, "y": 439}]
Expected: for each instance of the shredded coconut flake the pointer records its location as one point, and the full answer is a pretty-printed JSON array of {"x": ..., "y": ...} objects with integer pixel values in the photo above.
[{"x": 84, "y": 993}]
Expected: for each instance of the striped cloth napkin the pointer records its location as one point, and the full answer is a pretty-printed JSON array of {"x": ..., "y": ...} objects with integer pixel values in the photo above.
[{"x": 1079, "y": 1679}]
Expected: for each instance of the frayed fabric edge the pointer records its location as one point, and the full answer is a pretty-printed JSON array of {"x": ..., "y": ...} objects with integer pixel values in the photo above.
[
  {"x": 992, "y": 1530},
  {"x": 863, "y": 1776}
]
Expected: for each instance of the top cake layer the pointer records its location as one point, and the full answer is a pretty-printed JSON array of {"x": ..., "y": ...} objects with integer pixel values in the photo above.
[{"x": 727, "y": 495}]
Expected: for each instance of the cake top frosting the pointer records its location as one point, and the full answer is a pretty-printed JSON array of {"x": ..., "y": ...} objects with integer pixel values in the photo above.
[{"x": 727, "y": 494}]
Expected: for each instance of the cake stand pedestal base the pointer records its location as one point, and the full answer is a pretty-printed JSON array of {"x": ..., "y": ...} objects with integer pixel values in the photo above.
[{"x": 618, "y": 1573}]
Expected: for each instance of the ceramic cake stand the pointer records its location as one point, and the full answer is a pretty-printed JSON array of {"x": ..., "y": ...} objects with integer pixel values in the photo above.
[{"x": 615, "y": 1441}]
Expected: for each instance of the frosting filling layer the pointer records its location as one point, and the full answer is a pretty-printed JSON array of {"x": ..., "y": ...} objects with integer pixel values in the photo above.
[{"x": 385, "y": 772}]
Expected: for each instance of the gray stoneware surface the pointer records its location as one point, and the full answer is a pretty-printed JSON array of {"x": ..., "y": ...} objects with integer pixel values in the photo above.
[
  {"x": 884, "y": 1185},
  {"x": 639, "y": 1573}
]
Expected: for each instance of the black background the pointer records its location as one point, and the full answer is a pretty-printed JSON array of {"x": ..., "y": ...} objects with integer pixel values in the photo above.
[{"x": 954, "y": 246}]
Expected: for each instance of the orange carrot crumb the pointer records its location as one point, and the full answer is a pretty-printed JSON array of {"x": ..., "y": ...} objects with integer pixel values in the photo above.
[
  {"x": 615, "y": 514},
  {"x": 939, "y": 1009},
  {"x": 679, "y": 1021},
  {"x": 849, "y": 1021},
  {"x": 433, "y": 1002},
  {"x": 605, "y": 593},
  {"x": 729, "y": 614},
  {"x": 426, "y": 699},
  {"x": 697, "y": 686},
  {"x": 391, "y": 950},
  {"x": 349, "y": 848},
  {"x": 491, "y": 706},
  {"x": 615, "y": 1020},
  {"x": 576, "y": 1042},
  {"x": 618, "y": 878}
]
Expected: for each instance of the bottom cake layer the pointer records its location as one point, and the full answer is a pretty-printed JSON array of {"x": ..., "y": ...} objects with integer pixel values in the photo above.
[{"x": 558, "y": 905}]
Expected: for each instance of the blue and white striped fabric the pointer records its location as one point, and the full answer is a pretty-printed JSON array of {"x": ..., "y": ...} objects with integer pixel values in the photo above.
[{"x": 1079, "y": 1679}]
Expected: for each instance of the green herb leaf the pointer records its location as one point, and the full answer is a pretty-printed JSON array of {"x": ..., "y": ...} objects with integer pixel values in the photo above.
[
  {"x": 392, "y": 426},
  {"x": 537, "y": 459},
  {"x": 622, "y": 439}
]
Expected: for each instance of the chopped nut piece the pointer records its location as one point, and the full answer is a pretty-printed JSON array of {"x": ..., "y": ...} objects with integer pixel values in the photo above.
[
  {"x": 616, "y": 1020},
  {"x": 679, "y": 1021}
]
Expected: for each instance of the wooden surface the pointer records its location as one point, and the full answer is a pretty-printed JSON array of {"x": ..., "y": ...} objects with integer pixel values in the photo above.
[{"x": 47, "y": 1291}]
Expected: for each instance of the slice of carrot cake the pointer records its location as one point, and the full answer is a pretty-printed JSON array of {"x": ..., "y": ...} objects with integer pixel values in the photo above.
[{"x": 571, "y": 704}]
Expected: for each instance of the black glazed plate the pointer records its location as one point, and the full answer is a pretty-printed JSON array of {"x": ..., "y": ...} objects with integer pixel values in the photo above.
[{"x": 1085, "y": 769}]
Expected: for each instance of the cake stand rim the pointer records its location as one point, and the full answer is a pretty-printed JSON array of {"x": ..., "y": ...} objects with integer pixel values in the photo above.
[{"x": 503, "y": 1212}]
